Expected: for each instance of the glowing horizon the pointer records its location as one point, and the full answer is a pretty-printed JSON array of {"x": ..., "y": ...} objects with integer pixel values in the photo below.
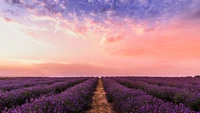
[{"x": 99, "y": 37}]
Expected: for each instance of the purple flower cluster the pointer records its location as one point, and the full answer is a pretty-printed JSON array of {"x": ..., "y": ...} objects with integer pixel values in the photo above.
[
  {"x": 128, "y": 100},
  {"x": 187, "y": 83},
  {"x": 22, "y": 95},
  {"x": 27, "y": 83},
  {"x": 172, "y": 94},
  {"x": 73, "y": 100},
  {"x": 18, "y": 80}
]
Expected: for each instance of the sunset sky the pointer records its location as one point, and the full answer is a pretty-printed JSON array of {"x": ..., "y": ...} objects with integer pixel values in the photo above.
[{"x": 99, "y": 37}]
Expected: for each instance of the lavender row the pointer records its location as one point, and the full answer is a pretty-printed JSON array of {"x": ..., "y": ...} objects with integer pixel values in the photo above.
[
  {"x": 20, "y": 96},
  {"x": 14, "y": 80},
  {"x": 179, "y": 83},
  {"x": 126, "y": 100},
  {"x": 174, "y": 80},
  {"x": 27, "y": 83},
  {"x": 73, "y": 100},
  {"x": 171, "y": 94}
]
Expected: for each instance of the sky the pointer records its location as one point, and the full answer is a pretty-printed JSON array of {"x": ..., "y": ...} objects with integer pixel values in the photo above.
[{"x": 99, "y": 37}]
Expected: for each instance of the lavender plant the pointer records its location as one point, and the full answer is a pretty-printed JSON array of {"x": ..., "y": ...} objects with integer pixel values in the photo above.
[
  {"x": 126, "y": 100},
  {"x": 73, "y": 100},
  {"x": 20, "y": 96},
  {"x": 171, "y": 94}
]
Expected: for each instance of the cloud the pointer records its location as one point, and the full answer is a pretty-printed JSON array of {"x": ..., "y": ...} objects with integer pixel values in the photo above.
[
  {"x": 41, "y": 68},
  {"x": 111, "y": 20},
  {"x": 137, "y": 9},
  {"x": 73, "y": 15},
  {"x": 13, "y": 1},
  {"x": 14, "y": 13},
  {"x": 7, "y": 19},
  {"x": 21, "y": 31},
  {"x": 176, "y": 40},
  {"x": 113, "y": 39},
  {"x": 152, "y": 29},
  {"x": 193, "y": 15},
  {"x": 45, "y": 68}
]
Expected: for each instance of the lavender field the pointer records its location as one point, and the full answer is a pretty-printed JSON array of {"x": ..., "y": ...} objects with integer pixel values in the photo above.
[{"x": 100, "y": 95}]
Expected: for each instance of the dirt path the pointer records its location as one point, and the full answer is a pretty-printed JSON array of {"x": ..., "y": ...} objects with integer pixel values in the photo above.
[{"x": 100, "y": 104}]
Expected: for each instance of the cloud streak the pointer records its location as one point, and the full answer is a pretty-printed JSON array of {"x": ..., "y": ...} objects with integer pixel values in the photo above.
[{"x": 109, "y": 30}]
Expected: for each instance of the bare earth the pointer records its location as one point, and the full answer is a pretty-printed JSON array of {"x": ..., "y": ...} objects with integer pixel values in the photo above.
[{"x": 100, "y": 104}]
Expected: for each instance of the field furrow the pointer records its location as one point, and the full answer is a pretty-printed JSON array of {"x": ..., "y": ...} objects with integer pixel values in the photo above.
[{"x": 100, "y": 103}]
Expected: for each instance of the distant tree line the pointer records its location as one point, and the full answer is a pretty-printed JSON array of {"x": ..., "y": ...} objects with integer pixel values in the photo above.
[{"x": 197, "y": 76}]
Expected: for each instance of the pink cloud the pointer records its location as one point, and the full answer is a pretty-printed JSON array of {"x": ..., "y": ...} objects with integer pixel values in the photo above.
[
  {"x": 7, "y": 19},
  {"x": 55, "y": 69},
  {"x": 58, "y": 69},
  {"x": 136, "y": 48},
  {"x": 178, "y": 40},
  {"x": 113, "y": 39}
]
